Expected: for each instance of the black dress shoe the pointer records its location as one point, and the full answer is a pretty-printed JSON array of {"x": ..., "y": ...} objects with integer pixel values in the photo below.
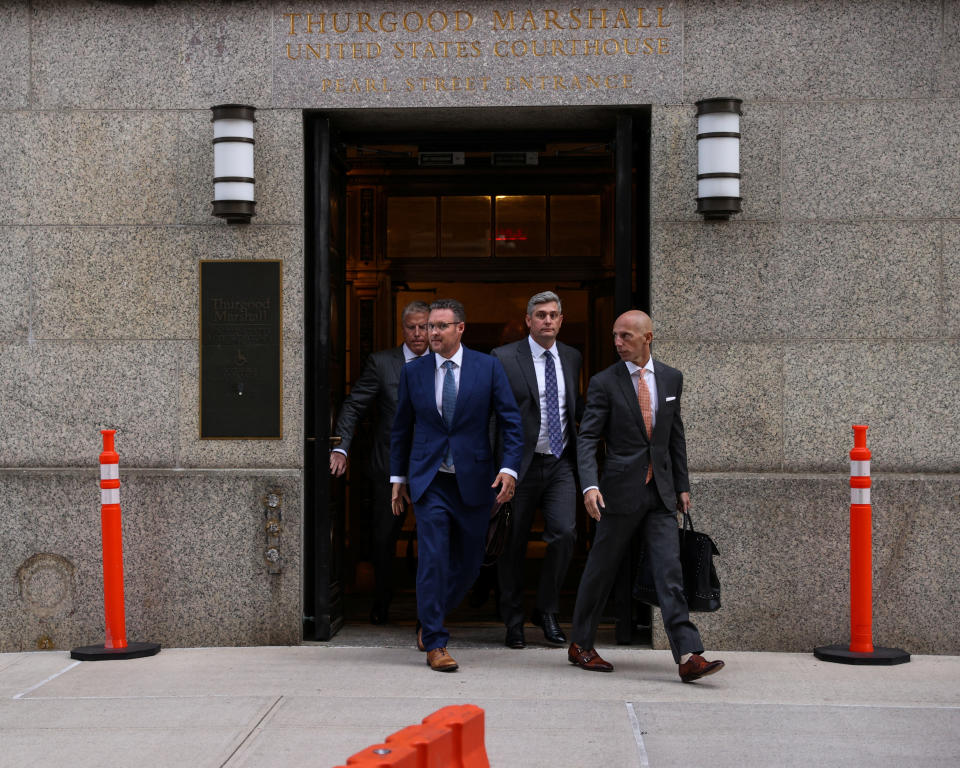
[
  {"x": 514, "y": 638},
  {"x": 551, "y": 628}
]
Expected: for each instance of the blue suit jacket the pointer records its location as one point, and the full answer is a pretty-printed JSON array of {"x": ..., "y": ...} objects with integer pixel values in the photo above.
[{"x": 419, "y": 439}]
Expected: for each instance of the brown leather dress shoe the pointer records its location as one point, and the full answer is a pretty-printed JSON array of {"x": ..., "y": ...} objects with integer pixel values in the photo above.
[
  {"x": 441, "y": 661},
  {"x": 696, "y": 667},
  {"x": 588, "y": 659}
]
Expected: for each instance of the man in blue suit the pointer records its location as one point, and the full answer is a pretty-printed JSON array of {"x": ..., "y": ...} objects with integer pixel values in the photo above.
[{"x": 440, "y": 449}]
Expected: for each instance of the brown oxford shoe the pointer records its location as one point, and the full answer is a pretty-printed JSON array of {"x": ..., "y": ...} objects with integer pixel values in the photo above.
[
  {"x": 697, "y": 666},
  {"x": 589, "y": 660},
  {"x": 441, "y": 661}
]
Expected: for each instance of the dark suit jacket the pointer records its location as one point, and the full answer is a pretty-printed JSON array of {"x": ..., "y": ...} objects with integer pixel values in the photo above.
[
  {"x": 518, "y": 364},
  {"x": 419, "y": 438},
  {"x": 612, "y": 413},
  {"x": 378, "y": 386}
]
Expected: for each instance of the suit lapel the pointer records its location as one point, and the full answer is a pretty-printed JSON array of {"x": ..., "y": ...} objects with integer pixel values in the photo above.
[
  {"x": 428, "y": 390},
  {"x": 625, "y": 383},
  {"x": 571, "y": 386},
  {"x": 467, "y": 380},
  {"x": 525, "y": 362},
  {"x": 661, "y": 393}
]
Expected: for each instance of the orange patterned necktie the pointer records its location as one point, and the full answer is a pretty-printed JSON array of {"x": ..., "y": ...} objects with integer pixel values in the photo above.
[{"x": 643, "y": 396}]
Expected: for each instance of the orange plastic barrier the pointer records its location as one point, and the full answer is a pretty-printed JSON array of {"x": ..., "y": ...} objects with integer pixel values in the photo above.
[{"x": 451, "y": 737}]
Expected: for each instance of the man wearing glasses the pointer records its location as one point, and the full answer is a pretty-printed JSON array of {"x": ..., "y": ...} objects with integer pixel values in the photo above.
[
  {"x": 377, "y": 386},
  {"x": 441, "y": 459}
]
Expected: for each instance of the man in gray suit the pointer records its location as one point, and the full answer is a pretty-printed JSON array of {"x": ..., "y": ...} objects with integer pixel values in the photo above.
[
  {"x": 378, "y": 386},
  {"x": 634, "y": 406},
  {"x": 545, "y": 378}
]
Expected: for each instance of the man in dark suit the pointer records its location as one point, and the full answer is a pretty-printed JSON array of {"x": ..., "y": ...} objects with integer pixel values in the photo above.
[
  {"x": 544, "y": 375},
  {"x": 634, "y": 406},
  {"x": 440, "y": 448},
  {"x": 377, "y": 386}
]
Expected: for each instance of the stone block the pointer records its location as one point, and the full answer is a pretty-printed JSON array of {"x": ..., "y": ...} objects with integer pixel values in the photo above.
[
  {"x": 194, "y": 572},
  {"x": 286, "y": 452},
  {"x": 948, "y": 74},
  {"x": 673, "y": 160},
  {"x": 951, "y": 277},
  {"x": 82, "y": 168},
  {"x": 14, "y": 55},
  {"x": 150, "y": 56},
  {"x": 810, "y": 51},
  {"x": 711, "y": 281},
  {"x": 57, "y": 396},
  {"x": 15, "y": 271},
  {"x": 278, "y": 167},
  {"x": 905, "y": 391},
  {"x": 113, "y": 283},
  {"x": 784, "y": 562},
  {"x": 732, "y": 404},
  {"x": 877, "y": 280},
  {"x": 871, "y": 160}
]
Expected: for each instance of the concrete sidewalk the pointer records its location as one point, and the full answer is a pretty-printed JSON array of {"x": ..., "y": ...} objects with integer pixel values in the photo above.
[{"x": 315, "y": 705}]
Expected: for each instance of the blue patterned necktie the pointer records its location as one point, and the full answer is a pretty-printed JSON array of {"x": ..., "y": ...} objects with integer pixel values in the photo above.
[
  {"x": 449, "y": 403},
  {"x": 553, "y": 405}
]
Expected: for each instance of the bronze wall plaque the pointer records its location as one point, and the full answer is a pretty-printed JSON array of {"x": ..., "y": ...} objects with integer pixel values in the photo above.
[{"x": 240, "y": 350}]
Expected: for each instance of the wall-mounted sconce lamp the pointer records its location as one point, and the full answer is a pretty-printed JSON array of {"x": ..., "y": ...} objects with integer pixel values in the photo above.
[
  {"x": 233, "y": 198},
  {"x": 718, "y": 153}
]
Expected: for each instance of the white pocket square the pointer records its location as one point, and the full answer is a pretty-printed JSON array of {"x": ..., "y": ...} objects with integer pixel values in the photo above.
[{"x": 668, "y": 399}]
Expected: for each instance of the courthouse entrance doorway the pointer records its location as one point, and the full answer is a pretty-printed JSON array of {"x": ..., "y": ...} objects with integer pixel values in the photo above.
[{"x": 488, "y": 206}]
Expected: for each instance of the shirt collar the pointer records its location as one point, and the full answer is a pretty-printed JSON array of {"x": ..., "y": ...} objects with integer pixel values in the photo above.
[
  {"x": 409, "y": 354},
  {"x": 537, "y": 351},
  {"x": 457, "y": 358},
  {"x": 632, "y": 368}
]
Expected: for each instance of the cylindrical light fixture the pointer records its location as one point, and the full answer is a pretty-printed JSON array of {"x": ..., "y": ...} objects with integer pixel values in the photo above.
[
  {"x": 718, "y": 157},
  {"x": 233, "y": 197}
]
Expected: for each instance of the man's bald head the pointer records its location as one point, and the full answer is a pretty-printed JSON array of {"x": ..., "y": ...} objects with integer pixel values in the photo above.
[{"x": 632, "y": 335}]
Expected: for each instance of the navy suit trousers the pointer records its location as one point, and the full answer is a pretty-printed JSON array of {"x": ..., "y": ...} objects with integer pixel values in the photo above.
[{"x": 451, "y": 537}]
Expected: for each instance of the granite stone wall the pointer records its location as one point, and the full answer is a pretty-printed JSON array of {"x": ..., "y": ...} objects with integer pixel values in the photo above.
[{"x": 831, "y": 300}]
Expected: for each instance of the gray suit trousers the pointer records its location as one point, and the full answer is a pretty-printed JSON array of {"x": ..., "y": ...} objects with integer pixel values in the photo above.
[
  {"x": 614, "y": 532},
  {"x": 550, "y": 484}
]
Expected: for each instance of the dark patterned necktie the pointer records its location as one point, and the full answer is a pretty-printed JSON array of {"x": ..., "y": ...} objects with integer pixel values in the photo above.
[
  {"x": 448, "y": 403},
  {"x": 553, "y": 405}
]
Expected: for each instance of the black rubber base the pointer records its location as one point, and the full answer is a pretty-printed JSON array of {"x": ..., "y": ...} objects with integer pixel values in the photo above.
[
  {"x": 102, "y": 653},
  {"x": 841, "y": 654}
]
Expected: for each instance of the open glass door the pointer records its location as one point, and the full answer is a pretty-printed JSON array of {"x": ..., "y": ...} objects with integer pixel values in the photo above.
[{"x": 325, "y": 358}]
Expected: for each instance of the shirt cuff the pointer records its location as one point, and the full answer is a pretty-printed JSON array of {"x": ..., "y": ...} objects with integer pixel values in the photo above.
[
  {"x": 398, "y": 479},
  {"x": 338, "y": 450},
  {"x": 590, "y": 488},
  {"x": 509, "y": 472}
]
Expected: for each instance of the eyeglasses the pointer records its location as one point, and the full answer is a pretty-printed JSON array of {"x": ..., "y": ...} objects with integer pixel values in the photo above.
[{"x": 439, "y": 326}]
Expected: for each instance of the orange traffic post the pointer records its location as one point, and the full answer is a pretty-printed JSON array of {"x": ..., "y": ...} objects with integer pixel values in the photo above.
[
  {"x": 861, "y": 649},
  {"x": 115, "y": 646},
  {"x": 384, "y": 756}
]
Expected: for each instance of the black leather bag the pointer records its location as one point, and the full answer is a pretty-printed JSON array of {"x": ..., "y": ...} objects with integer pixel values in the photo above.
[
  {"x": 701, "y": 585},
  {"x": 498, "y": 531}
]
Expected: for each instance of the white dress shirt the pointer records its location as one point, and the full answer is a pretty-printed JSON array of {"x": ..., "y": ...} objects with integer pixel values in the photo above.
[{"x": 539, "y": 366}]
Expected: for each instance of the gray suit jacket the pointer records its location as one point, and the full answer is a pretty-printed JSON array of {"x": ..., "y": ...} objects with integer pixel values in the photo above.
[
  {"x": 613, "y": 414},
  {"x": 518, "y": 363},
  {"x": 378, "y": 386}
]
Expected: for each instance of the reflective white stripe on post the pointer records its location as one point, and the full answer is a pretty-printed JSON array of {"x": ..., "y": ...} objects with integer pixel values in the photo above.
[
  {"x": 109, "y": 471},
  {"x": 110, "y": 496},
  {"x": 859, "y": 469},
  {"x": 859, "y": 495}
]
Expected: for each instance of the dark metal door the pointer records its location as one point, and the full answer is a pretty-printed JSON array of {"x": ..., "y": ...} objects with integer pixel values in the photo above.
[{"x": 325, "y": 332}]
